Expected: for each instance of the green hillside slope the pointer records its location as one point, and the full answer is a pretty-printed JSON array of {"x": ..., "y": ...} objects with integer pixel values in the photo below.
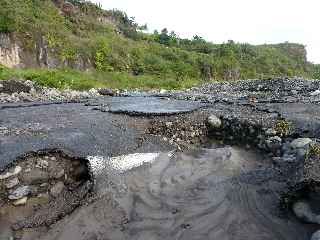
[{"x": 118, "y": 54}]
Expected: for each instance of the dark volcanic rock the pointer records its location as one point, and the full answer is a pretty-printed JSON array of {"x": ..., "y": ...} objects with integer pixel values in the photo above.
[
  {"x": 14, "y": 86},
  {"x": 106, "y": 92}
]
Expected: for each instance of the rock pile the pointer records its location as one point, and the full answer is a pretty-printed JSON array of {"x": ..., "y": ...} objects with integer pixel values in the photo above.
[
  {"x": 13, "y": 91},
  {"x": 37, "y": 188},
  {"x": 40, "y": 175}
]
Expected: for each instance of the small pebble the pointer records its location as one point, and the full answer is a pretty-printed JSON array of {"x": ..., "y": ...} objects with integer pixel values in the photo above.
[
  {"x": 20, "y": 202},
  {"x": 12, "y": 183},
  {"x": 19, "y": 193}
]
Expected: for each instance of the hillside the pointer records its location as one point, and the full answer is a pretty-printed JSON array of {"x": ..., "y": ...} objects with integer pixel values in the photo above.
[{"x": 77, "y": 44}]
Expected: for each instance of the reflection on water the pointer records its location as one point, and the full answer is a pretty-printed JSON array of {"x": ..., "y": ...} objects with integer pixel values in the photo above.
[{"x": 220, "y": 193}]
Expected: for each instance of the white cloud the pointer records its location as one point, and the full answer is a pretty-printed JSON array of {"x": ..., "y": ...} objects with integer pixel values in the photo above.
[{"x": 252, "y": 21}]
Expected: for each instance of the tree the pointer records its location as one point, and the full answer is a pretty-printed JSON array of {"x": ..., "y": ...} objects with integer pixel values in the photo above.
[{"x": 164, "y": 38}]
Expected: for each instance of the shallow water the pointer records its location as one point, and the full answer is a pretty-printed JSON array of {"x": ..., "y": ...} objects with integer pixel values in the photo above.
[{"x": 221, "y": 193}]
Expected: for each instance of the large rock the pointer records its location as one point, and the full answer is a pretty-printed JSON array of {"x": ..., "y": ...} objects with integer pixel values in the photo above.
[
  {"x": 214, "y": 121},
  {"x": 316, "y": 235},
  {"x": 300, "y": 143},
  {"x": 106, "y": 92},
  {"x": 14, "y": 86}
]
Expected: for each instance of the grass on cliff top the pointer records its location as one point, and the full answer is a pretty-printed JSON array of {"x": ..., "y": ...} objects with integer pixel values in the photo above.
[{"x": 78, "y": 80}]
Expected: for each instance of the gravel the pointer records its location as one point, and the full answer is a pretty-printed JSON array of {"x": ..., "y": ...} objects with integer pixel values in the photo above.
[{"x": 33, "y": 92}]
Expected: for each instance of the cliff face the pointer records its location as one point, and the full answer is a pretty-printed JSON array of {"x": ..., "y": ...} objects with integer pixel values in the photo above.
[
  {"x": 15, "y": 54},
  {"x": 9, "y": 51}
]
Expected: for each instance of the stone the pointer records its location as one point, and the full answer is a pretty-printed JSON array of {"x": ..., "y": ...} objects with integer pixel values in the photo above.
[
  {"x": 106, "y": 92},
  {"x": 289, "y": 158},
  {"x": 57, "y": 189},
  {"x": 20, "y": 202},
  {"x": 303, "y": 211},
  {"x": 15, "y": 172},
  {"x": 271, "y": 132},
  {"x": 169, "y": 124},
  {"x": 19, "y": 193},
  {"x": 67, "y": 8},
  {"x": 214, "y": 121},
  {"x": 274, "y": 143},
  {"x": 35, "y": 176},
  {"x": 12, "y": 183},
  {"x": 14, "y": 86},
  {"x": 162, "y": 91},
  {"x": 315, "y": 93},
  {"x": 43, "y": 164},
  {"x": 316, "y": 235},
  {"x": 300, "y": 143}
]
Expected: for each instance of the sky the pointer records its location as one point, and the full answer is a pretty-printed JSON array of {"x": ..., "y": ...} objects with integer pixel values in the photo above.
[{"x": 249, "y": 21}]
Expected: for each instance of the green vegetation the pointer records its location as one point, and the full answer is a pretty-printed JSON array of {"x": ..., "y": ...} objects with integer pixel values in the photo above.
[
  {"x": 316, "y": 71},
  {"x": 78, "y": 80},
  {"x": 282, "y": 127},
  {"x": 313, "y": 151},
  {"x": 122, "y": 56}
]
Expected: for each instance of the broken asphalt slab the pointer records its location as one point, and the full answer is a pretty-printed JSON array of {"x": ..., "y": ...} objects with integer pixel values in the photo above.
[{"x": 77, "y": 129}]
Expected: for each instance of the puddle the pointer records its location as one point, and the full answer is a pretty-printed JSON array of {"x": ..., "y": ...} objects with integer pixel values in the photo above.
[
  {"x": 217, "y": 192},
  {"x": 212, "y": 193}
]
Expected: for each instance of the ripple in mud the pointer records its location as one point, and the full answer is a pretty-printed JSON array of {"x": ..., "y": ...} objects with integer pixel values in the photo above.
[
  {"x": 206, "y": 194},
  {"x": 38, "y": 190}
]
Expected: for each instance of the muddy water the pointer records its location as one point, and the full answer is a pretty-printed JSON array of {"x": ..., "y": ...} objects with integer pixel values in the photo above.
[{"x": 222, "y": 193}]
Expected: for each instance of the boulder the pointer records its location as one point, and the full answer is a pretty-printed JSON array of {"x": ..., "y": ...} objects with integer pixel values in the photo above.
[
  {"x": 14, "y": 86},
  {"x": 214, "y": 121},
  {"x": 316, "y": 235},
  {"x": 300, "y": 143},
  {"x": 106, "y": 92},
  {"x": 67, "y": 8}
]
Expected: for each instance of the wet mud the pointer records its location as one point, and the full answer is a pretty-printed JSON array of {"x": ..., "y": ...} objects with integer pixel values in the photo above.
[{"x": 212, "y": 193}]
